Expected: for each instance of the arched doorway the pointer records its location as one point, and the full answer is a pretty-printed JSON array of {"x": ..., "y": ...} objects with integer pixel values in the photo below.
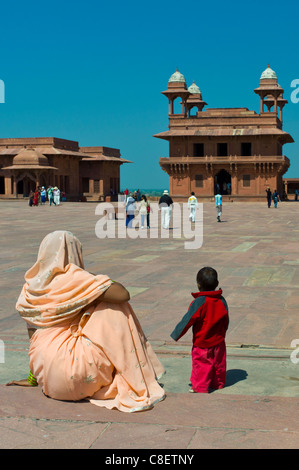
[
  {"x": 20, "y": 187},
  {"x": 25, "y": 183},
  {"x": 223, "y": 182}
]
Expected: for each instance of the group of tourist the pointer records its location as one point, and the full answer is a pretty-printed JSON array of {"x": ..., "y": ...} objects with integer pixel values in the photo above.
[
  {"x": 136, "y": 194},
  {"x": 140, "y": 205},
  {"x": 166, "y": 202},
  {"x": 143, "y": 208},
  {"x": 165, "y": 205},
  {"x": 41, "y": 195}
]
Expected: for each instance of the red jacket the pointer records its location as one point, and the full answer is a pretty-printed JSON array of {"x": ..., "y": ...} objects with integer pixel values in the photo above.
[{"x": 208, "y": 314}]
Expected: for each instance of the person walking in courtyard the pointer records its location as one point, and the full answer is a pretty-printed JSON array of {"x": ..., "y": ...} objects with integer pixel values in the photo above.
[
  {"x": 208, "y": 315},
  {"x": 130, "y": 210},
  {"x": 88, "y": 342},
  {"x": 269, "y": 197},
  {"x": 43, "y": 195},
  {"x": 51, "y": 196},
  {"x": 31, "y": 198},
  {"x": 275, "y": 197},
  {"x": 192, "y": 206},
  {"x": 35, "y": 200},
  {"x": 148, "y": 211},
  {"x": 56, "y": 196},
  {"x": 165, "y": 204},
  {"x": 218, "y": 201},
  {"x": 143, "y": 210}
]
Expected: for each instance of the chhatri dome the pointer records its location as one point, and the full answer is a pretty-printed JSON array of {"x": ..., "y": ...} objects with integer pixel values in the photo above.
[
  {"x": 177, "y": 77},
  {"x": 30, "y": 158},
  {"x": 194, "y": 89},
  {"x": 268, "y": 73}
]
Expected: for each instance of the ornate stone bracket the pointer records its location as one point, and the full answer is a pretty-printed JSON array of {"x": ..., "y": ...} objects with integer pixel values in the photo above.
[{"x": 178, "y": 170}]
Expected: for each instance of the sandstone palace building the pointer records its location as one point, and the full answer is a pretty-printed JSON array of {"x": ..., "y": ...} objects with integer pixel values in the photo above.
[
  {"x": 83, "y": 173},
  {"x": 232, "y": 150}
]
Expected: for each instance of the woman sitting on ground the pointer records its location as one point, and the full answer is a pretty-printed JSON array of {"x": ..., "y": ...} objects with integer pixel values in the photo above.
[{"x": 87, "y": 341}]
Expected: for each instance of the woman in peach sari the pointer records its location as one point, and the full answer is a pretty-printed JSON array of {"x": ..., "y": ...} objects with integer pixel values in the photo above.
[{"x": 87, "y": 342}]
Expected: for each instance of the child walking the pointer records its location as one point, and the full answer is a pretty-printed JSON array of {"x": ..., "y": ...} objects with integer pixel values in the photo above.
[{"x": 208, "y": 314}]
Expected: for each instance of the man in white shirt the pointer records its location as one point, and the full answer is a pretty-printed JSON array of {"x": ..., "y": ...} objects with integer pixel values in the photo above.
[
  {"x": 192, "y": 205},
  {"x": 218, "y": 201}
]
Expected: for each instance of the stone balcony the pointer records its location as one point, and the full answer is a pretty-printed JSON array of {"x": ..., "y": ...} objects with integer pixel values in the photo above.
[{"x": 225, "y": 159}]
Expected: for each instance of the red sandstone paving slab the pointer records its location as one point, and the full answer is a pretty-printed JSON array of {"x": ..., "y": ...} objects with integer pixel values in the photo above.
[
  {"x": 235, "y": 300},
  {"x": 140, "y": 436},
  {"x": 290, "y": 330},
  {"x": 259, "y": 328},
  {"x": 247, "y": 259},
  {"x": 16, "y": 433},
  {"x": 157, "y": 292},
  {"x": 271, "y": 276},
  {"x": 156, "y": 330},
  {"x": 270, "y": 302},
  {"x": 243, "y": 439},
  {"x": 26, "y": 433},
  {"x": 201, "y": 410},
  {"x": 237, "y": 282}
]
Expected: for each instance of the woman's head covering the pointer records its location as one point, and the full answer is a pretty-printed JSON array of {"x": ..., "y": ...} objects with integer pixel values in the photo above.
[{"x": 57, "y": 287}]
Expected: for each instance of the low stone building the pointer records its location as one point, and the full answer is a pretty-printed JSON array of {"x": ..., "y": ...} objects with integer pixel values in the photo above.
[
  {"x": 234, "y": 151},
  {"x": 291, "y": 185},
  {"x": 83, "y": 173}
]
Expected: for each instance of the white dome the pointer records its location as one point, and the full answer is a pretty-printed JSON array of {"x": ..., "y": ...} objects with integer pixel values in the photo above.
[
  {"x": 194, "y": 89},
  {"x": 268, "y": 73},
  {"x": 177, "y": 77}
]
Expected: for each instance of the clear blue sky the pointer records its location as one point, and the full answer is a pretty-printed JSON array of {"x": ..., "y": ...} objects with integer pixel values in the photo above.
[{"x": 93, "y": 71}]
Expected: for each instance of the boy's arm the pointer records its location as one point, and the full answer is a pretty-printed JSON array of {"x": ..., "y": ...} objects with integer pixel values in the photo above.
[
  {"x": 188, "y": 319},
  {"x": 226, "y": 306}
]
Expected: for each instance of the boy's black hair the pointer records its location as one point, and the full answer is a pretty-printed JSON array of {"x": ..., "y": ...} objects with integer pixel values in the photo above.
[{"x": 207, "y": 278}]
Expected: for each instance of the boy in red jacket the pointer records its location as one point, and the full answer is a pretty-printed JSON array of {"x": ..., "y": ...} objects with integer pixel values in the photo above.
[{"x": 208, "y": 315}]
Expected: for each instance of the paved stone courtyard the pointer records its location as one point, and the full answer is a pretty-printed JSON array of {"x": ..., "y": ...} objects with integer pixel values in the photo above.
[{"x": 254, "y": 250}]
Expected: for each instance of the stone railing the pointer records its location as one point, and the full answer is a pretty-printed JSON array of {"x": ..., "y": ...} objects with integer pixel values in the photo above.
[{"x": 226, "y": 159}]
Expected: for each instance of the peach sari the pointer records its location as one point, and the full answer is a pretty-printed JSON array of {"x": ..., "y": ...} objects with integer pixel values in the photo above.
[{"x": 85, "y": 348}]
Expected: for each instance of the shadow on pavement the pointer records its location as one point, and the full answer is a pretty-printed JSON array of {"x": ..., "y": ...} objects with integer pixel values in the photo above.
[{"x": 235, "y": 375}]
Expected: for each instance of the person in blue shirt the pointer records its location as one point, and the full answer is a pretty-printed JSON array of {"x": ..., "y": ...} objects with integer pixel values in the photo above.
[
  {"x": 43, "y": 195},
  {"x": 218, "y": 201},
  {"x": 275, "y": 197}
]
